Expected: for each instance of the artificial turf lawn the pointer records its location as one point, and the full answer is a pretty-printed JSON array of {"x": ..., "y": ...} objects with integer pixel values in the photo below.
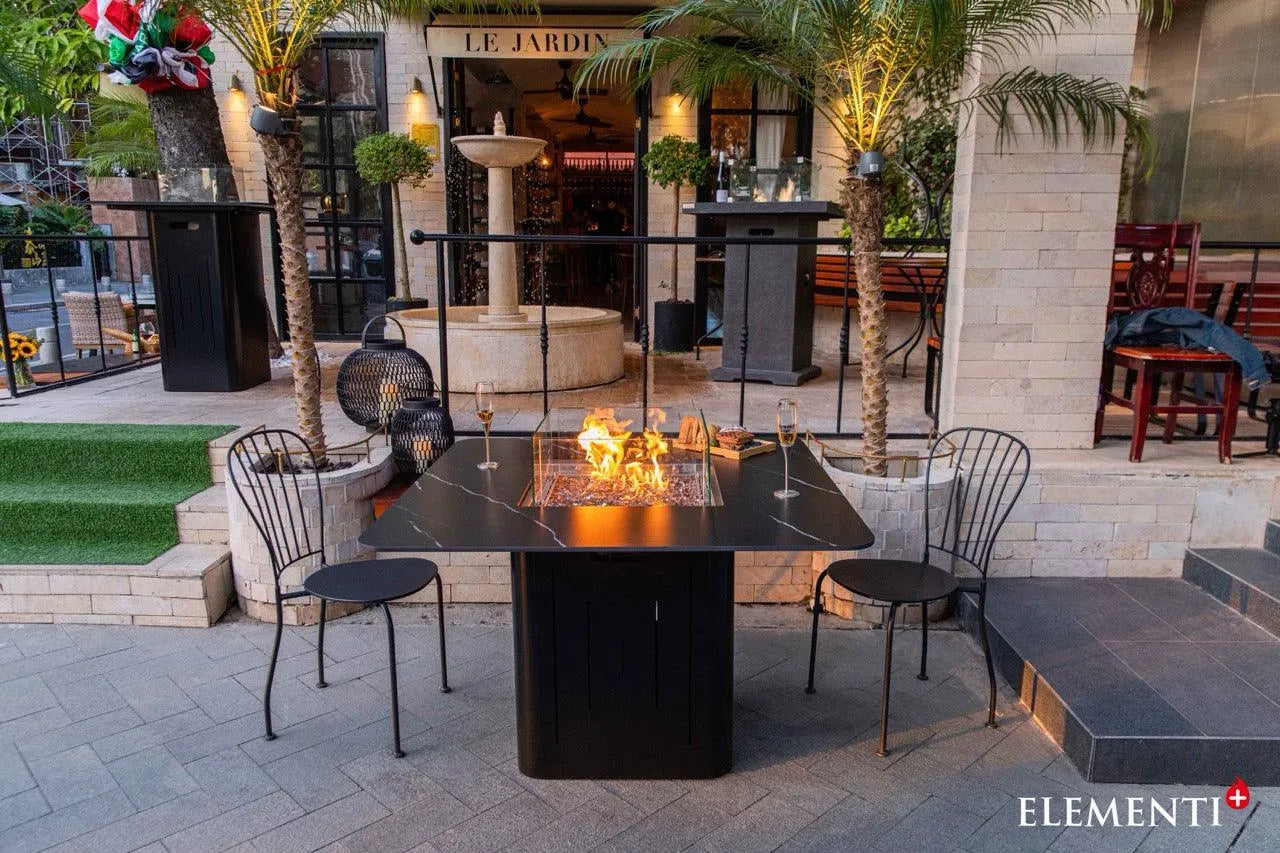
[{"x": 97, "y": 493}]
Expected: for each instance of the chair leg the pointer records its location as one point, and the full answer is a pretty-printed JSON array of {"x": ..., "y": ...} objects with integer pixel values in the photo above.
[
  {"x": 271, "y": 670},
  {"x": 1141, "y": 415},
  {"x": 444, "y": 665},
  {"x": 884, "y": 690},
  {"x": 1104, "y": 392},
  {"x": 813, "y": 638},
  {"x": 928, "y": 379},
  {"x": 1175, "y": 397},
  {"x": 986, "y": 653},
  {"x": 395, "y": 691},
  {"x": 320, "y": 682},
  {"x": 1230, "y": 411},
  {"x": 924, "y": 640}
]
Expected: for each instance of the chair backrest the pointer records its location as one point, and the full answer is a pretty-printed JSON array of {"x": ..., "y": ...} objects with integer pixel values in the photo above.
[
  {"x": 1153, "y": 251},
  {"x": 274, "y": 473},
  {"x": 87, "y": 311},
  {"x": 992, "y": 468}
]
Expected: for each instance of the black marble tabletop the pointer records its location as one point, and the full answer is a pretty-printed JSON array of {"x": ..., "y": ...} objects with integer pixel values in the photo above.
[{"x": 455, "y": 506}]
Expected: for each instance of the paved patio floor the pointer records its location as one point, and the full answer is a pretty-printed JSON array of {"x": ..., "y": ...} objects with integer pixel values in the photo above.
[{"x": 150, "y": 738}]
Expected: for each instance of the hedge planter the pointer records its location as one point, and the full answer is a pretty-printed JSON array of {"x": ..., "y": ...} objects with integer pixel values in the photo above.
[
  {"x": 893, "y": 508},
  {"x": 348, "y": 510},
  {"x": 673, "y": 326}
]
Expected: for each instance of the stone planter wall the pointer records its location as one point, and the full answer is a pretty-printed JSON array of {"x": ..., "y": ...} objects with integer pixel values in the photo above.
[
  {"x": 894, "y": 510},
  {"x": 348, "y": 510}
]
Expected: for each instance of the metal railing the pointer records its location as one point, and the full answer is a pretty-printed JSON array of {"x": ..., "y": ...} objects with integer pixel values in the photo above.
[
  {"x": 41, "y": 269},
  {"x": 928, "y": 302}
]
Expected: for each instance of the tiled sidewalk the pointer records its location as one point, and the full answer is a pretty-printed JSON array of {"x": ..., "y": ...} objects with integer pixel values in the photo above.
[{"x": 150, "y": 738}]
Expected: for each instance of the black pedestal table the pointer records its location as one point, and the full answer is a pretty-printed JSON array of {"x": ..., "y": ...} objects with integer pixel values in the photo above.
[
  {"x": 623, "y": 616},
  {"x": 213, "y": 317},
  {"x": 780, "y": 310}
]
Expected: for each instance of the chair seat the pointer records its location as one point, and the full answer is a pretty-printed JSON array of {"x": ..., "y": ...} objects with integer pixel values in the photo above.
[
  {"x": 1164, "y": 353},
  {"x": 371, "y": 581},
  {"x": 894, "y": 581}
]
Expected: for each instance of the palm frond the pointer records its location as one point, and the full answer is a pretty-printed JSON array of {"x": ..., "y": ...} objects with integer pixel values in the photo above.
[
  {"x": 120, "y": 139},
  {"x": 1056, "y": 103}
]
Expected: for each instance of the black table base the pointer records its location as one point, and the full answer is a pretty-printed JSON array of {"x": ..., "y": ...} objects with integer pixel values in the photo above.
[{"x": 624, "y": 664}]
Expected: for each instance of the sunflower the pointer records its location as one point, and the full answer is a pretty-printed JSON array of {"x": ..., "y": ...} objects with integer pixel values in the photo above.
[{"x": 22, "y": 347}]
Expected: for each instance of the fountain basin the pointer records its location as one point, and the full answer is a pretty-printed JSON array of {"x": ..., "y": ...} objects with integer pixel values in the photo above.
[
  {"x": 499, "y": 152},
  {"x": 584, "y": 347}
]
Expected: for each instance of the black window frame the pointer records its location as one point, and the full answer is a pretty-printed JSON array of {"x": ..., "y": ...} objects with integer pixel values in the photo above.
[{"x": 333, "y": 222}]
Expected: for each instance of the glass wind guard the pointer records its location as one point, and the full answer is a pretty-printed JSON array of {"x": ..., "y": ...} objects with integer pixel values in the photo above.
[{"x": 613, "y": 457}]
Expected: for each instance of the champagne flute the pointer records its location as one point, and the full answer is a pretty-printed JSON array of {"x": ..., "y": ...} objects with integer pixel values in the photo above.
[
  {"x": 786, "y": 438},
  {"x": 484, "y": 409}
]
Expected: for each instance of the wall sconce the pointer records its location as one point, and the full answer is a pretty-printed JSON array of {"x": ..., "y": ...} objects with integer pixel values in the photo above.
[
  {"x": 416, "y": 88},
  {"x": 235, "y": 88}
]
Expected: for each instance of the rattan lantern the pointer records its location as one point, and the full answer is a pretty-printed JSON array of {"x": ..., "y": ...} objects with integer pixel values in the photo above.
[
  {"x": 377, "y": 377},
  {"x": 420, "y": 431}
]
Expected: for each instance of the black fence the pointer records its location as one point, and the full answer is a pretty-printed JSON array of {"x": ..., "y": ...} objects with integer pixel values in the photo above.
[
  {"x": 107, "y": 328},
  {"x": 925, "y": 298}
]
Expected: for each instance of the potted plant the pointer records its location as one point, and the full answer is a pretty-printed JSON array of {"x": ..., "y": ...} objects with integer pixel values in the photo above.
[
  {"x": 867, "y": 69},
  {"x": 673, "y": 162},
  {"x": 393, "y": 158}
]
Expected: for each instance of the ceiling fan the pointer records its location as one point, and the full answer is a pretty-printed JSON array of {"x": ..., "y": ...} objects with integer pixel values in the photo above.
[
  {"x": 564, "y": 86},
  {"x": 592, "y": 139},
  {"x": 582, "y": 118}
]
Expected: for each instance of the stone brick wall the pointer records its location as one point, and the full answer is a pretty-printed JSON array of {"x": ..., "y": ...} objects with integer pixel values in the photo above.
[
  {"x": 1089, "y": 518},
  {"x": 1033, "y": 230}
]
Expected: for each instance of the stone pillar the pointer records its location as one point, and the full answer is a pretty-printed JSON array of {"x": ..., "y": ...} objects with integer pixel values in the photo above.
[{"x": 1033, "y": 230}]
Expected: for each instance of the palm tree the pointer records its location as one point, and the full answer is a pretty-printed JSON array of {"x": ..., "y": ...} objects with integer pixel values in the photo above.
[
  {"x": 274, "y": 37},
  {"x": 866, "y": 67}
]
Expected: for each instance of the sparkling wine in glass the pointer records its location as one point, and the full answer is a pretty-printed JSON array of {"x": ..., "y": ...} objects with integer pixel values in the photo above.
[
  {"x": 787, "y": 427},
  {"x": 484, "y": 410}
]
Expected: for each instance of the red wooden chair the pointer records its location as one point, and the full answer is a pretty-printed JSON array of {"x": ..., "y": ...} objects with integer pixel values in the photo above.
[{"x": 1147, "y": 284}]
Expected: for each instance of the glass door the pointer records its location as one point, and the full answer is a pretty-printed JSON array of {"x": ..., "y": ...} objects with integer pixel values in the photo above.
[{"x": 342, "y": 99}]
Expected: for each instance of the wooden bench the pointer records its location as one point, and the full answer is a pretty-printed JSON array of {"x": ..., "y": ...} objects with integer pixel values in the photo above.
[
  {"x": 915, "y": 285},
  {"x": 902, "y": 279}
]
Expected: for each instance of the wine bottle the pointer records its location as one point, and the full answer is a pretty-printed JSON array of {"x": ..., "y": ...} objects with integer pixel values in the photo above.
[{"x": 722, "y": 180}]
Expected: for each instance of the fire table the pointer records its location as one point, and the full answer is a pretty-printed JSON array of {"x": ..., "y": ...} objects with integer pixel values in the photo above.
[{"x": 623, "y": 615}]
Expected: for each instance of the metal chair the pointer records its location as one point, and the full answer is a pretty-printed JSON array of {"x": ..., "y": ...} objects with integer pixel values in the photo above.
[
  {"x": 992, "y": 470},
  {"x": 273, "y": 472}
]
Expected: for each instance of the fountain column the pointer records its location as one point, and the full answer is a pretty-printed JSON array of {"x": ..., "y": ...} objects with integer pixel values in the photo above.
[{"x": 504, "y": 295}]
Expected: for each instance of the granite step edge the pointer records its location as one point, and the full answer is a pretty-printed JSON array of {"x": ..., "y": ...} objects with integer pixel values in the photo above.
[{"x": 1245, "y": 579}]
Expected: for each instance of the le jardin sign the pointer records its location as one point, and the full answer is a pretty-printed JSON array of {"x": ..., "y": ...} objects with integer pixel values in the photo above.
[{"x": 567, "y": 42}]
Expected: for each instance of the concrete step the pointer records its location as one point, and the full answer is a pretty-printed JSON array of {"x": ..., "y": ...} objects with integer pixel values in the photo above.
[
  {"x": 1272, "y": 539},
  {"x": 202, "y": 518},
  {"x": 1245, "y": 579},
  {"x": 187, "y": 586},
  {"x": 1139, "y": 680}
]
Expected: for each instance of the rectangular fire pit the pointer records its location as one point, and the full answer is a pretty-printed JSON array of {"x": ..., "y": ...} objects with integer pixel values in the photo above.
[
  {"x": 615, "y": 457},
  {"x": 622, "y": 600}
]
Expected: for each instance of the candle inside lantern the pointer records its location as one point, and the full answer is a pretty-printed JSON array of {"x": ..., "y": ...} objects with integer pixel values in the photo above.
[
  {"x": 422, "y": 452},
  {"x": 388, "y": 401}
]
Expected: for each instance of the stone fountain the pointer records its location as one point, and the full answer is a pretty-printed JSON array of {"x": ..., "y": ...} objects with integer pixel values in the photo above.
[{"x": 501, "y": 341}]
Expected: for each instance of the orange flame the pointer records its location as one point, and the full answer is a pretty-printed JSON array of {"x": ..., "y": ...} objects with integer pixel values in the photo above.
[{"x": 617, "y": 455}]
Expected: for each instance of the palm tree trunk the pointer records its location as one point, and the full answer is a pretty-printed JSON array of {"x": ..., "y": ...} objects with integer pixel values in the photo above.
[
  {"x": 189, "y": 136},
  {"x": 403, "y": 289},
  {"x": 863, "y": 203},
  {"x": 283, "y": 155}
]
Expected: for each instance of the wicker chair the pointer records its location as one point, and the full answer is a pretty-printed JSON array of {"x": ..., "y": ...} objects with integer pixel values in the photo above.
[{"x": 109, "y": 326}]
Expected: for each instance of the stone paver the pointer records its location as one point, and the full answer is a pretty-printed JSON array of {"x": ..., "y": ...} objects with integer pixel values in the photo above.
[{"x": 91, "y": 759}]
